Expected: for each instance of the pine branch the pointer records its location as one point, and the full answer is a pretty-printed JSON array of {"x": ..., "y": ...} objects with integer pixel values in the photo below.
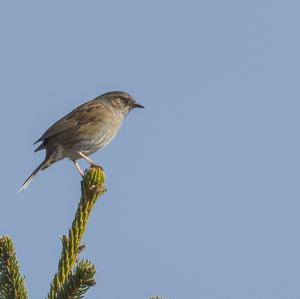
[
  {"x": 12, "y": 285},
  {"x": 92, "y": 187},
  {"x": 78, "y": 282}
]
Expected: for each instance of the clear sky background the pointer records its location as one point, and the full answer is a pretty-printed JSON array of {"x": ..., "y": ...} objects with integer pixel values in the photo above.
[{"x": 203, "y": 185}]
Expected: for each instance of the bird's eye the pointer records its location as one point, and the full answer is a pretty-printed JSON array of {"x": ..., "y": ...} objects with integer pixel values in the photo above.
[{"x": 124, "y": 100}]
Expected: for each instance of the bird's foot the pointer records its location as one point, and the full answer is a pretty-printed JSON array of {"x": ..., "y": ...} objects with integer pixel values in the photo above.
[{"x": 96, "y": 166}]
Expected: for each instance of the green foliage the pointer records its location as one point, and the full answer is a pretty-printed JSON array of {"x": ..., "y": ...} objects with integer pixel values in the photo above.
[
  {"x": 92, "y": 186},
  {"x": 78, "y": 282},
  {"x": 12, "y": 285},
  {"x": 73, "y": 277}
]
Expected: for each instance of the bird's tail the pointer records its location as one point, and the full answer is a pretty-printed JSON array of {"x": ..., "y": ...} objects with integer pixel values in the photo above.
[{"x": 43, "y": 165}]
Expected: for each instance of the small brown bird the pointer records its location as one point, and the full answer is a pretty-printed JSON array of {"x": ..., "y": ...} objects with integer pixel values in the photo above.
[{"x": 83, "y": 131}]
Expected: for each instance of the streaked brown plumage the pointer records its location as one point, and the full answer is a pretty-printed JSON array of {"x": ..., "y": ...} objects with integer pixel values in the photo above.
[{"x": 83, "y": 131}]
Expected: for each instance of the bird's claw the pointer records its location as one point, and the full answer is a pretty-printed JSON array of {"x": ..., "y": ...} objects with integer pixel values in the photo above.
[{"x": 96, "y": 166}]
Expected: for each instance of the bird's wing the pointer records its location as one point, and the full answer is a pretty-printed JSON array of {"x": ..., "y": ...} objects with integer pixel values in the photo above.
[{"x": 81, "y": 115}]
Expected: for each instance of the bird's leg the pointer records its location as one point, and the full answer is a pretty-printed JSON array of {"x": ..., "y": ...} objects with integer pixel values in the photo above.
[
  {"x": 78, "y": 167},
  {"x": 86, "y": 158}
]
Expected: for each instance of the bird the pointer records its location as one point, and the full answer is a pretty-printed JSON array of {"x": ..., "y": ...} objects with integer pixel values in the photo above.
[{"x": 85, "y": 130}]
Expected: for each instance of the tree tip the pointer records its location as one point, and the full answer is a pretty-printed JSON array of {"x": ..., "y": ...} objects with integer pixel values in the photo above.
[{"x": 94, "y": 179}]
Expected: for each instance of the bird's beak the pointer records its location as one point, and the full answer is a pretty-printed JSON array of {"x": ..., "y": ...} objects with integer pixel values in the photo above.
[{"x": 137, "y": 105}]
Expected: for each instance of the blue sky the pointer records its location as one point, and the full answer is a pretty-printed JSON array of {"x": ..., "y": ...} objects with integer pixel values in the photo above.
[{"x": 203, "y": 193}]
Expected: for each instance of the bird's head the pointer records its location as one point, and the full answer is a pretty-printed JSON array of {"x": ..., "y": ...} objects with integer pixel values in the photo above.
[{"x": 122, "y": 101}]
